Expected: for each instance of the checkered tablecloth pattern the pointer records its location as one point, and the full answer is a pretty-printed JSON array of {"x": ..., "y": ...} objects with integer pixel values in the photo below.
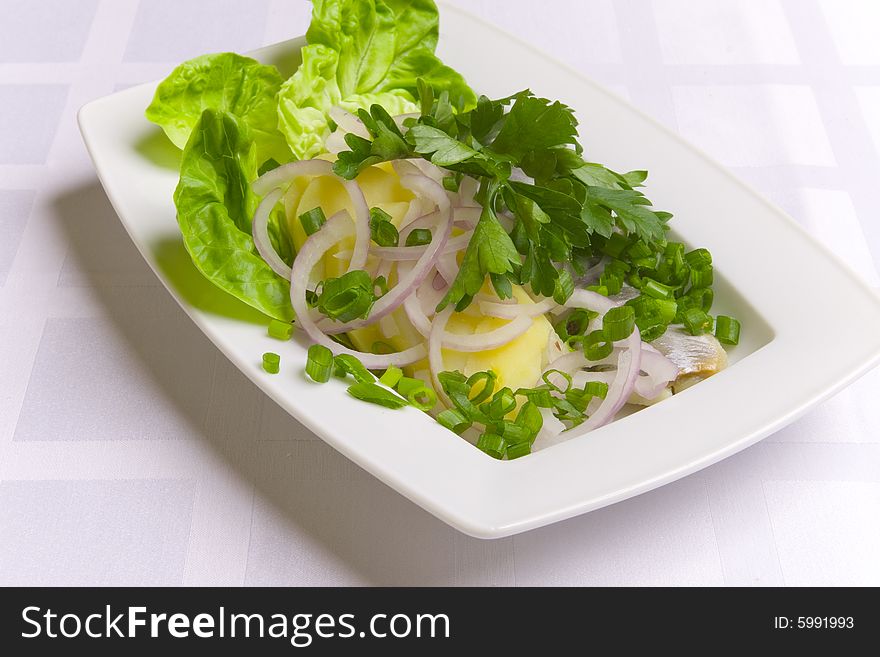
[{"x": 132, "y": 452}]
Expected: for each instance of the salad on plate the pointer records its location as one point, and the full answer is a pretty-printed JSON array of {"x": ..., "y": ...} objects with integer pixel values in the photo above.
[{"x": 434, "y": 248}]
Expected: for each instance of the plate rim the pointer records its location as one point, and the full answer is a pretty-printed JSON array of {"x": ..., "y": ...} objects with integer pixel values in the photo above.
[{"x": 471, "y": 523}]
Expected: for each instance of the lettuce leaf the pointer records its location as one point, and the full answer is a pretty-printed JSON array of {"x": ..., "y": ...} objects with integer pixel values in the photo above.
[
  {"x": 227, "y": 82},
  {"x": 363, "y": 52},
  {"x": 214, "y": 209}
]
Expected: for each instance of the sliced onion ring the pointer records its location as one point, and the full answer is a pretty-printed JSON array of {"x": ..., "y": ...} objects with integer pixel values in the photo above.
[
  {"x": 407, "y": 284},
  {"x": 488, "y": 340},
  {"x": 286, "y": 173},
  {"x": 628, "y": 363},
  {"x": 514, "y": 310},
  {"x": 315, "y": 247},
  {"x": 435, "y": 352},
  {"x": 260, "y": 231},
  {"x": 348, "y": 122}
]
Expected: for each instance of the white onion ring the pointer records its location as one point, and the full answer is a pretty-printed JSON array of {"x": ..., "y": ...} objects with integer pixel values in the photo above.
[
  {"x": 512, "y": 311},
  {"x": 260, "y": 232},
  {"x": 589, "y": 300},
  {"x": 551, "y": 428},
  {"x": 335, "y": 142},
  {"x": 406, "y": 284},
  {"x": 488, "y": 340},
  {"x": 659, "y": 373},
  {"x": 348, "y": 122},
  {"x": 285, "y": 174},
  {"x": 315, "y": 247},
  {"x": 467, "y": 190}
]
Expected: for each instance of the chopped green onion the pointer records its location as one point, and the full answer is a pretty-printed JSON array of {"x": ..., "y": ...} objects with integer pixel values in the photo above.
[
  {"x": 597, "y": 346},
  {"x": 493, "y": 444},
  {"x": 539, "y": 396},
  {"x": 702, "y": 277},
  {"x": 348, "y": 297},
  {"x": 381, "y": 347},
  {"x": 419, "y": 237},
  {"x": 727, "y": 329},
  {"x": 451, "y": 183},
  {"x": 319, "y": 365},
  {"x": 271, "y": 362},
  {"x": 698, "y": 258},
  {"x": 652, "y": 332},
  {"x": 381, "y": 283},
  {"x": 565, "y": 410},
  {"x": 575, "y": 323},
  {"x": 348, "y": 364},
  {"x": 657, "y": 290},
  {"x": 565, "y": 375},
  {"x": 488, "y": 378},
  {"x": 382, "y": 231},
  {"x": 423, "y": 398},
  {"x": 376, "y": 394},
  {"x": 615, "y": 245},
  {"x": 530, "y": 417},
  {"x": 517, "y": 450},
  {"x": 563, "y": 287},
  {"x": 639, "y": 250},
  {"x": 579, "y": 398},
  {"x": 618, "y": 323},
  {"x": 406, "y": 384},
  {"x": 391, "y": 376},
  {"x": 453, "y": 381},
  {"x": 596, "y": 388},
  {"x": 611, "y": 282},
  {"x": 312, "y": 220},
  {"x": 514, "y": 433},
  {"x": 501, "y": 404},
  {"x": 697, "y": 321},
  {"x": 280, "y": 330},
  {"x": 453, "y": 420}
]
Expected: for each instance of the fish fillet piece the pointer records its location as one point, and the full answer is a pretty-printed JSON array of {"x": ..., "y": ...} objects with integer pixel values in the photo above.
[{"x": 696, "y": 356}]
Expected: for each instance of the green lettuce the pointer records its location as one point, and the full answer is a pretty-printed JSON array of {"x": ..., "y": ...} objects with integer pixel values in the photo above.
[
  {"x": 226, "y": 82},
  {"x": 360, "y": 53},
  {"x": 214, "y": 209}
]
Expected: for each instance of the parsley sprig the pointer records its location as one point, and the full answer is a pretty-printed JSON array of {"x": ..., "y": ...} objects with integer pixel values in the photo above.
[{"x": 565, "y": 214}]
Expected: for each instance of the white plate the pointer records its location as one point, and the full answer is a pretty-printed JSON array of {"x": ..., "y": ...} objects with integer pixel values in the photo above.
[{"x": 810, "y": 326}]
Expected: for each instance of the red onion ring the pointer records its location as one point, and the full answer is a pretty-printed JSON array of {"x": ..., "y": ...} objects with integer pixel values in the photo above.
[
  {"x": 361, "y": 224},
  {"x": 401, "y": 253},
  {"x": 315, "y": 247},
  {"x": 447, "y": 267},
  {"x": 628, "y": 364},
  {"x": 260, "y": 233},
  {"x": 435, "y": 352}
]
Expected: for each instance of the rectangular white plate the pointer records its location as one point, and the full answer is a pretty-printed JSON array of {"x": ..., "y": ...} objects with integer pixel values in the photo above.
[{"x": 784, "y": 286}]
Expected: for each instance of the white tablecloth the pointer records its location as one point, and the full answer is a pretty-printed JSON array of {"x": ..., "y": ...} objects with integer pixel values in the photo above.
[{"x": 131, "y": 452}]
